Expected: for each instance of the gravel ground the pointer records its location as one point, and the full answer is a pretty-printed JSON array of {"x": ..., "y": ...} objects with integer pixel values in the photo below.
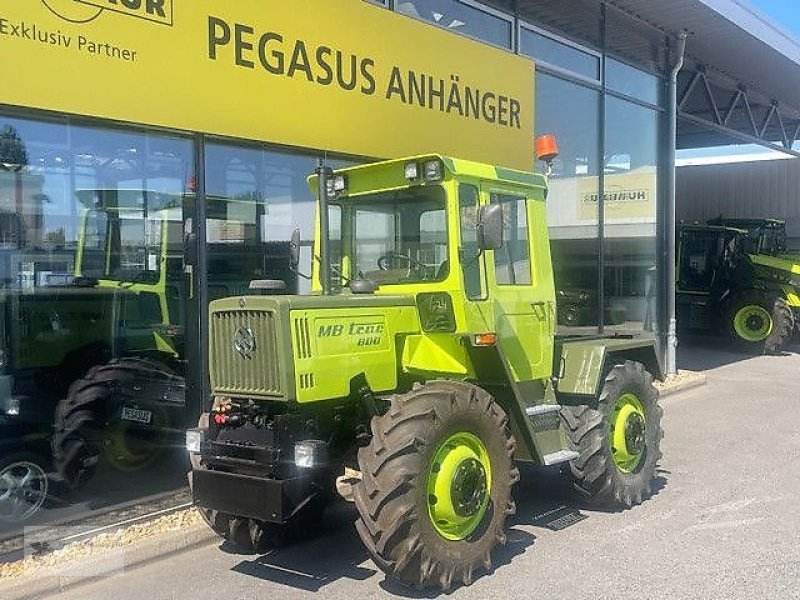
[
  {"x": 681, "y": 379},
  {"x": 99, "y": 545}
]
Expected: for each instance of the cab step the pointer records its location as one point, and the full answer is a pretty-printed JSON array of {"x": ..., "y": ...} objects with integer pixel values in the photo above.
[
  {"x": 559, "y": 457},
  {"x": 542, "y": 409}
]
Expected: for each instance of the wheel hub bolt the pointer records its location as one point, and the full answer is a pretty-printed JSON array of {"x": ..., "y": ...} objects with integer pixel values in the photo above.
[{"x": 468, "y": 487}]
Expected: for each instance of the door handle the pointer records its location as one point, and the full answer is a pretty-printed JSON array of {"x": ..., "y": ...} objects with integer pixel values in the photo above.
[{"x": 540, "y": 309}]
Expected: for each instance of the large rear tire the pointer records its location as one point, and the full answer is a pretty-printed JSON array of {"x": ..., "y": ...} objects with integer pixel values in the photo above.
[
  {"x": 759, "y": 324},
  {"x": 436, "y": 484},
  {"x": 89, "y": 426},
  {"x": 619, "y": 442}
]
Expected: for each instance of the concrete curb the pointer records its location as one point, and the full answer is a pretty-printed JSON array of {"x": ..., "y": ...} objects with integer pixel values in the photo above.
[
  {"x": 40, "y": 584},
  {"x": 682, "y": 386}
]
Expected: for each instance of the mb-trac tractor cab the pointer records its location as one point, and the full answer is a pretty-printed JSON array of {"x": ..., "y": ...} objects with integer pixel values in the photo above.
[
  {"x": 128, "y": 395},
  {"x": 735, "y": 276},
  {"x": 425, "y": 367}
]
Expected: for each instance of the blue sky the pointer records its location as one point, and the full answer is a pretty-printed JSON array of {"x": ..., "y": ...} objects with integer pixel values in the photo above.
[{"x": 784, "y": 12}]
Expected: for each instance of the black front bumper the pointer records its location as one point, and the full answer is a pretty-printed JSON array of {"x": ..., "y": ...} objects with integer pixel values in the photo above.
[{"x": 263, "y": 499}]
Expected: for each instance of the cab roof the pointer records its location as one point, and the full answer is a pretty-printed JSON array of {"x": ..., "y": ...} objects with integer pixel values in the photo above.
[{"x": 384, "y": 172}]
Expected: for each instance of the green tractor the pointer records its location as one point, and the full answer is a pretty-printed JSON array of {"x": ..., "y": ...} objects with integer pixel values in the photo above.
[
  {"x": 736, "y": 277},
  {"x": 124, "y": 395},
  {"x": 417, "y": 378}
]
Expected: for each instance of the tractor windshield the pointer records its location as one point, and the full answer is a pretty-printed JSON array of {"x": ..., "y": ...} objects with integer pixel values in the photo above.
[
  {"x": 397, "y": 237},
  {"x": 122, "y": 234},
  {"x": 123, "y": 245}
]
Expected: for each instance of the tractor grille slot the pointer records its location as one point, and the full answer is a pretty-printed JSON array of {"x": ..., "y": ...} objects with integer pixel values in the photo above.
[
  {"x": 254, "y": 373},
  {"x": 306, "y": 381},
  {"x": 302, "y": 338}
]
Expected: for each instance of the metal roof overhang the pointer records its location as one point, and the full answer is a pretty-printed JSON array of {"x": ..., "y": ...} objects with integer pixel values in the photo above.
[{"x": 735, "y": 45}]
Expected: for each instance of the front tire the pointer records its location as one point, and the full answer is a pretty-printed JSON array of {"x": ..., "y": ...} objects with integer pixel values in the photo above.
[
  {"x": 619, "y": 442},
  {"x": 436, "y": 484},
  {"x": 89, "y": 426},
  {"x": 759, "y": 324}
]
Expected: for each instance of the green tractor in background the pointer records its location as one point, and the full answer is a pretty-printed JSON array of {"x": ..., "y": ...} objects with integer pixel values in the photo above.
[
  {"x": 123, "y": 404},
  {"x": 91, "y": 346},
  {"x": 736, "y": 276},
  {"x": 422, "y": 372}
]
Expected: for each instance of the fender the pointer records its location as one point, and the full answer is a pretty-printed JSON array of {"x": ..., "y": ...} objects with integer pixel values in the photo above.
[{"x": 581, "y": 365}]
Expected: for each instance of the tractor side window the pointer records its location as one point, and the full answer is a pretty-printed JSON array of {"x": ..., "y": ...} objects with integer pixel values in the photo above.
[
  {"x": 335, "y": 245},
  {"x": 468, "y": 251},
  {"x": 698, "y": 258},
  {"x": 94, "y": 244},
  {"x": 512, "y": 262}
]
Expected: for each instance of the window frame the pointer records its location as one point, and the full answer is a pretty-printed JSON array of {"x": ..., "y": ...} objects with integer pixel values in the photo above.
[
  {"x": 517, "y": 195},
  {"x": 479, "y": 260}
]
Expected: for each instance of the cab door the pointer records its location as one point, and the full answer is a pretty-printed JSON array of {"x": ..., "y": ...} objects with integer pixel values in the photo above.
[{"x": 520, "y": 281}]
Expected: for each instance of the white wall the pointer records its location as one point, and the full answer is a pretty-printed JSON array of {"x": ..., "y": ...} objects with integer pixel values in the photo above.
[{"x": 763, "y": 189}]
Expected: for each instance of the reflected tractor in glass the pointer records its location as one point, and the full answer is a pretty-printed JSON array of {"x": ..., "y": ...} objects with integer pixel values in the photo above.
[{"x": 420, "y": 375}]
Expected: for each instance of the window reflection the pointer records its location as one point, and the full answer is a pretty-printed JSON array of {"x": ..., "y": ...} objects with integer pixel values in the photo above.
[
  {"x": 460, "y": 18},
  {"x": 632, "y": 82},
  {"x": 93, "y": 289},
  {"x": 543, "y": 48},
  {"x": 255, "y": 200},
  {"x": 570, "y": 112},
  {"x": 631, "y": 193}
]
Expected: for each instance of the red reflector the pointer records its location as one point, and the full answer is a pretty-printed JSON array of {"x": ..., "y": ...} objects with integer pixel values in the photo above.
[
  {"x": 485, "y": 339},
  {"x": 220, "y": 419}
]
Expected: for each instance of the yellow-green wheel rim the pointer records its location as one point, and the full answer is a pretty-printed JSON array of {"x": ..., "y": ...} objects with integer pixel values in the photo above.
[
  {"x": 753, "y": 323},
  {"x": 627, "y": 435},
  {"x": 459, "y": 485}
]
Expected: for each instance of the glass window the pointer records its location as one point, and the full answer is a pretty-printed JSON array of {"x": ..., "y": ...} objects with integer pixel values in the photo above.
[
  {"x": 256, "y": 199},
  {"x": 698, "y": 257},
  {"x": 546, "y": 49},
  {"x": 89, "y": 294},
  {"x": 457, "y": 16},
  {"x": 512, "y": 262},
  {"x": 630, "y": 204},
  {"x": 469, "y": 251},
  {"x": 401, "y": 237},
  {"x": 571, "y": 113},
  {"x": 632, "y": 82}
]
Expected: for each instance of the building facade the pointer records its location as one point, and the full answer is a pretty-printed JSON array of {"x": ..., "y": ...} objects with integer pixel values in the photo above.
[{"x": 160, "y": 150}]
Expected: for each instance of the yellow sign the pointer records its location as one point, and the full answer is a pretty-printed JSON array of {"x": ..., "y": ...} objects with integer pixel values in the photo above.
[
  {"x": 344, "y": 76},
  {"x": 629, "y": 197}
]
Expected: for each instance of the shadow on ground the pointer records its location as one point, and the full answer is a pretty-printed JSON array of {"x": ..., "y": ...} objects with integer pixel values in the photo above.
[
  {"x": 704, "y": 353},
  {"x": 545, "y": 499}
]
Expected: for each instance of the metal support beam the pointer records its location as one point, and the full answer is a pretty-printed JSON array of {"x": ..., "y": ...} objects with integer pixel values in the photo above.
[
  {"x": 709, "y": 116},
  {"x": 711, "y": 100},
  {"x": 750, "y": 139},
  {"x": 671, "y": 366},
  {"x": 732, "y": 107},
  {"x": 750, "y": 115},
  {"x": 767, "y": 119}
]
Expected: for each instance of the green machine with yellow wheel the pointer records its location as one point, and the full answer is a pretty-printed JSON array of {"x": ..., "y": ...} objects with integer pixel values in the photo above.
[
  {"x": 736, "y": 277},
  {"x": 423, "y": 371}
]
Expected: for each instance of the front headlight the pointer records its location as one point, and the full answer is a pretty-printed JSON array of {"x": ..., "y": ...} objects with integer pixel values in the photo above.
[
  {"x": 433, "y": 170},
  {"x": 194, "y": 440}
]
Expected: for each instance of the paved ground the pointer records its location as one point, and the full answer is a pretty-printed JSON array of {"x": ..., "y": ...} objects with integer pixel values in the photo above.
[{"x": 724, "y": 523}]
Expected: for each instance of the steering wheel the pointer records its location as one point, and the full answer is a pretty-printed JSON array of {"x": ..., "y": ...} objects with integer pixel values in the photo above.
[{"x": 385, "y": 261}]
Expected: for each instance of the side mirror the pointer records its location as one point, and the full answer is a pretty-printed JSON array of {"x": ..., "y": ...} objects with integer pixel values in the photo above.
[
  {"x": 294, "y": 250},
  {"x": 490, "y": 227}
]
